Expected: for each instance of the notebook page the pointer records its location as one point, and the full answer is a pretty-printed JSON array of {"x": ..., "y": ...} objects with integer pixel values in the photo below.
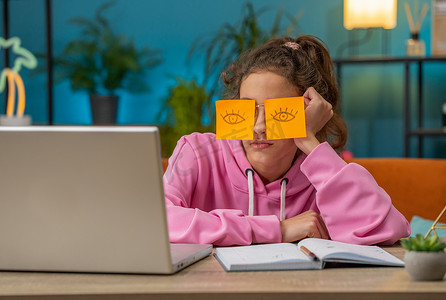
[
  {"x": 328, "y": 250},
  {"x": 261, "y": 254}
]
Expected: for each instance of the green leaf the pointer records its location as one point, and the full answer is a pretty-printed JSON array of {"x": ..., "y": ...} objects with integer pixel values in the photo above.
[
  {"x": 185, "y": 117},
  {"x": 419, "y": 243}
]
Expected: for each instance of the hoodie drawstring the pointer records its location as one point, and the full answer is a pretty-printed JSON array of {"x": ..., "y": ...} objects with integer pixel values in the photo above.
[
  {"x": 283, "y": 184},
  {"x": 250, "y": 173}
]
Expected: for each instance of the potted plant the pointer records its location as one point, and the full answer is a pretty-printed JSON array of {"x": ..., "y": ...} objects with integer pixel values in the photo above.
[
  {"x": 182, "y": 110},
  {"x": 101, "y": 62},
  {"x": 425, "y": 258}
]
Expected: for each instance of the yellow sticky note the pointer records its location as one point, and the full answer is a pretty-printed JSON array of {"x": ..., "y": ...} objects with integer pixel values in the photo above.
[
  {"x": 235, "y": 119},
  {"x": 285, "y": 118}
]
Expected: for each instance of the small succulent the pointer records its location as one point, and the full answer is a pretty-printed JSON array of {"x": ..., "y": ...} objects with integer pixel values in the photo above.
[{"x": 419, "y": 243}]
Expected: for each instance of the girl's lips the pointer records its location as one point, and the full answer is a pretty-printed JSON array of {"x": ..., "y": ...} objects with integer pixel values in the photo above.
[{"x": 260, "y": 144}]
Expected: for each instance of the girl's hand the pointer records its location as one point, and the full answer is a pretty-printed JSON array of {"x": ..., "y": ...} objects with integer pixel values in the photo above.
[
  {"x": 307, "y": 224},
  {"x": 318, "y": 112}
]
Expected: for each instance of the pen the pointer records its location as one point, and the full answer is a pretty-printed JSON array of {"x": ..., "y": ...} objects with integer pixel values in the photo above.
[{"x": 308, "y": 253}]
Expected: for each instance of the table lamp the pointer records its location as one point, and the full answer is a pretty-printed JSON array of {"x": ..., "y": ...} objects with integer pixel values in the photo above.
[{"x": 366, "y": 14}]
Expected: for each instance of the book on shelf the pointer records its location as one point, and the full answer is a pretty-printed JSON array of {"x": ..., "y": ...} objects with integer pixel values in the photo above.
[{"x": 308, "y": 254}]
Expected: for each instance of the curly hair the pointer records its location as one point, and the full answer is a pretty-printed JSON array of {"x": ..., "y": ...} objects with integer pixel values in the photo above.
[{"x": 307, "y": 64}]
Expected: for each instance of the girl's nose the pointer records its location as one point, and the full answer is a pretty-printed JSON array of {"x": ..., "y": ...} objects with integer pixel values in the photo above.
[{"x": 259, "y": 123}]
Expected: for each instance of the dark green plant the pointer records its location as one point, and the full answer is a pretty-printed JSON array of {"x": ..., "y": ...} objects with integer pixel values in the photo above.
[
  {"x": 419, "y": 243},
  {"x": 101, "y": 60},
  {"x": 223, "y": 47},
  {"x": 183, "y": 110}
]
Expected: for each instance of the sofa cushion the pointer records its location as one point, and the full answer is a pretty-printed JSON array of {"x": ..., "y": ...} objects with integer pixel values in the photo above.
[
  {"x": 421, "y": 226},
  {"x": 416, "y": 186}
]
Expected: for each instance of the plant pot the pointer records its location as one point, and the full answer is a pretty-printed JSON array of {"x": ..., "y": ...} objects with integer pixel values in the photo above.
[
  {"x": 15, "y": 120},
  {"x": 104, "y": 109},
  {"x": 425, "y": 265}
]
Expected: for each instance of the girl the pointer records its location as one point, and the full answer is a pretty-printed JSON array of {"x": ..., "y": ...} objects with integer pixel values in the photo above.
[{"x": 232, "y": 192}]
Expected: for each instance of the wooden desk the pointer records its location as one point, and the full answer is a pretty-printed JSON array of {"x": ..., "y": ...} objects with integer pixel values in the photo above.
[{"x": 207, "y": 280}]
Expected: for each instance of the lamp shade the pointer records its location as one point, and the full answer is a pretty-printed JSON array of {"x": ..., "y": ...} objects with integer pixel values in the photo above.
[{"x": 369, "y": 14}]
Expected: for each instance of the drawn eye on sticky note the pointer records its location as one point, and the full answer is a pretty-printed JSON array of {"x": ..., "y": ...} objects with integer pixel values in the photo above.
[
  {"x": 235, "y": 119},
  {"x": 285, "y": 118}
]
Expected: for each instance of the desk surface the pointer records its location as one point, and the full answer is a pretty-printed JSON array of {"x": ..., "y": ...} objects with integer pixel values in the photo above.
[{"x": 206, "y": 279}]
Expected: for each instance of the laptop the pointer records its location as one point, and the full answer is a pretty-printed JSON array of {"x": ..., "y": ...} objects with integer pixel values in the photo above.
[{"x": 86, "y": 199}]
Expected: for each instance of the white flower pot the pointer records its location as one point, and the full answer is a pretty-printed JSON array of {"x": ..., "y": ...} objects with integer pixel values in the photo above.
[
  {"x": 15, "y": 121},
  {"x": 425, "y": 265}
]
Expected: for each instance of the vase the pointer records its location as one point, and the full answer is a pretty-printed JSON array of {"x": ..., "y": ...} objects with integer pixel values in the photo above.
[
  {"x": 425, "y": 265},
  {"x": 104, "y": 109},
  {"x": 15, "y": 120},
  {"x": 415, "y": 46}
]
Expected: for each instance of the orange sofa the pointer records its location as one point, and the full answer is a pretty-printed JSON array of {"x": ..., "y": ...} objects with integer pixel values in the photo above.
[{"x": 416, "y": 186}]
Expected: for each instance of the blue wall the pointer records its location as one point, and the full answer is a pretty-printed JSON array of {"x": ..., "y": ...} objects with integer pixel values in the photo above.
[{"x": 372, "y": 96}]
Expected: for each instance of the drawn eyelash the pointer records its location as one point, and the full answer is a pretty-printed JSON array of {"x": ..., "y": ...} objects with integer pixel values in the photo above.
[
  {"x": 233, "y": 118},
  {"x": 284, "y": 116}
]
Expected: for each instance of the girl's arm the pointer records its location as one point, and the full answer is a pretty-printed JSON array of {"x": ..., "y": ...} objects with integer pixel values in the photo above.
[
  {"x": 354, "y": 208},
  {"x": 186, "y": 179}
]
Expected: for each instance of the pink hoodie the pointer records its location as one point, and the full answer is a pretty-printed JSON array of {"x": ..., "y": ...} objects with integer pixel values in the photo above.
[{"x": 207, "y": 194}]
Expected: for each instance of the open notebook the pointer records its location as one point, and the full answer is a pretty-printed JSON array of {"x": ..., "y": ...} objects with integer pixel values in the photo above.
[
  {"x": 86, "y": 199},
  {"x": 287, "y": 256}
]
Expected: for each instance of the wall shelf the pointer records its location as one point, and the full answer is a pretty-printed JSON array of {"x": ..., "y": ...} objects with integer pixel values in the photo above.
[
  {"x": 431, "y": 132},
  {"x": 416, "y": 131}
]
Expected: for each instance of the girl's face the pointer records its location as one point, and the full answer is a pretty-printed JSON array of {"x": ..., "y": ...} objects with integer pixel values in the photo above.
[{"x": 267, "y": 156}]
